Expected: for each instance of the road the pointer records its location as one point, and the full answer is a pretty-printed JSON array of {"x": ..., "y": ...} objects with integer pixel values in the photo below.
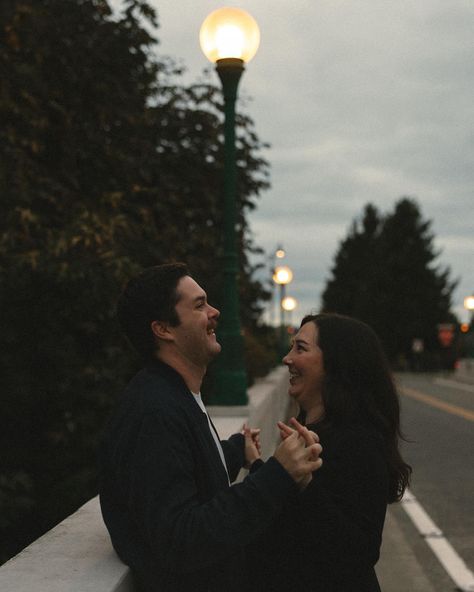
[{"x": 438, "y": 422}]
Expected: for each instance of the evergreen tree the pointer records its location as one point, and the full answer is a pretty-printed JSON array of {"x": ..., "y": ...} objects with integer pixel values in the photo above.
[
  {"x": 421, "y": 288},
  {"x": 107, "y": 165},
  {"x": 355, "y": 272},
  {"x": 385, "y": 273}
]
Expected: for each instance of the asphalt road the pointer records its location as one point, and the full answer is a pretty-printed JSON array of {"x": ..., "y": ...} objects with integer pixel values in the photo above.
[{"x": 438, "y": 421}]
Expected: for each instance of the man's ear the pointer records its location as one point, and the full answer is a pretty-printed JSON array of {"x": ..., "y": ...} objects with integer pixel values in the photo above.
[{"x": 161, "y": 330}]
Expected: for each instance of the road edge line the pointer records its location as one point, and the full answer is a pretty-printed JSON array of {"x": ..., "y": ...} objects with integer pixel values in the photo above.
[{"x": 455, "y": 566}]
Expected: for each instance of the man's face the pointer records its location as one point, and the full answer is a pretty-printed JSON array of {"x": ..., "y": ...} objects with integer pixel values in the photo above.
[{"x": 195, "y": 337}]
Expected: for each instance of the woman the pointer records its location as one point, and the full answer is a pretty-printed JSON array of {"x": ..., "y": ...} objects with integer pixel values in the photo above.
[{"x": 328, "y": 538}]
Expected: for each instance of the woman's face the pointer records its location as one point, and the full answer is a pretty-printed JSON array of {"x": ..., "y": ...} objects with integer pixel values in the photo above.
[{"x": 305, "y": 364}]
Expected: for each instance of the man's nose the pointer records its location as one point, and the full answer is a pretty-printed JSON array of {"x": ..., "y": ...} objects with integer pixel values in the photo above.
[{"x": 214, "y": 312}]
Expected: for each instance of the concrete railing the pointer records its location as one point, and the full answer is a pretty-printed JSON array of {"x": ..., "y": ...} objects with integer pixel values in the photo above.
[
  {"x": 77, "y": 556},
  {"x": 465, "y": 370}
]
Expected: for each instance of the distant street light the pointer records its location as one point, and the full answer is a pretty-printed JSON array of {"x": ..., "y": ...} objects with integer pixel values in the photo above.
[
  {"x": 289, "y": 303},
  {"x": 230, "y": 37},
  {"x": 280, "y": 253},
  {"x": 282, "y": 276},
  {"x": 469, "y": 338},
  {"x": 469, "y": 333},
  {"x": 469, "y": 303}
]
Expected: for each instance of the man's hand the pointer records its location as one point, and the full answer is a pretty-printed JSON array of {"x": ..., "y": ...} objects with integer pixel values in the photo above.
[
  {"x": 298, "y": 452},
  {"x": 252, "y": 445}
]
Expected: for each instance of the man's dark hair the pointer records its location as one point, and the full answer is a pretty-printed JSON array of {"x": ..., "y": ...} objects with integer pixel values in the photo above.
[{"x": 150, "y": 296}]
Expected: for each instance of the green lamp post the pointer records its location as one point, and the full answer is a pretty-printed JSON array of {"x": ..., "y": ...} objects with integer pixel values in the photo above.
[{"x": 230, "y": 37}]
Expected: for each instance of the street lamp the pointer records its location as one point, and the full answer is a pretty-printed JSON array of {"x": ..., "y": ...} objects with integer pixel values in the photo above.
[
  {"x": 289, "y": 303},
  {"x": 282, "y": 276},
  {"x": 469, "y": 304},
  {"x": 230, "y": 37},
  {"x": 278, "y": 253},
  {"x": 469, "y": 338}
]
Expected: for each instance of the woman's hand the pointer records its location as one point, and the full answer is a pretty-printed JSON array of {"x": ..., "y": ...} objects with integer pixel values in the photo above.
[
  {"x": 309, "y": 437},
  {"x": 252, "y": 445}
]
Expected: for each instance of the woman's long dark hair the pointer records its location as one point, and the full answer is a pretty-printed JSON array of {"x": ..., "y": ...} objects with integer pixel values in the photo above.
[{"x": 358, "y": 386}]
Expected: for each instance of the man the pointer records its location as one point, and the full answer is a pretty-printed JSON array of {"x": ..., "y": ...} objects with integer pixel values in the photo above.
[{"x": 165, "y": 476}]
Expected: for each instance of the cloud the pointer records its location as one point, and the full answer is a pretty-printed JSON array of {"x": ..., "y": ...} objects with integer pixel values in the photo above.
[{"x": 361, "y": 102}]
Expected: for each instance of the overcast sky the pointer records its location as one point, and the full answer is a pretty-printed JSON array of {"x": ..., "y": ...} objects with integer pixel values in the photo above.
[{"x": 361, "y": 101}]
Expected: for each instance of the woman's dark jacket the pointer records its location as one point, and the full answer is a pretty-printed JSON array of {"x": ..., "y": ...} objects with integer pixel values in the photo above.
[
  {"x": 327, "y": 539},
  {"x": 164, "y": 493}
]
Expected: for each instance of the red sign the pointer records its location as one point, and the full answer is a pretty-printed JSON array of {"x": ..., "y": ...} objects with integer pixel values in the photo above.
[{"x": 446, "y": 334}]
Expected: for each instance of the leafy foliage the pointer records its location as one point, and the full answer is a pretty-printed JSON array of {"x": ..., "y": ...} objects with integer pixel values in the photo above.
[
  {"x": 385, "y": 273},
  {"x": 108, "y": 165}
]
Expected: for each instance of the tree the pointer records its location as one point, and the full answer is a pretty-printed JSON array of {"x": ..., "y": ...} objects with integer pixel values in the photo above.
[
  {"x": 385, "y": 273},
  {"x": 108, "y": 165},
  {"x": 355, "y": 272}
]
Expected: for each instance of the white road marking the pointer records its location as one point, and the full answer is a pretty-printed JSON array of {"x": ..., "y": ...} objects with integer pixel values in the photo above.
[
  {"x": 446, "y": 555},
  {"x": 462, "y": 386}
]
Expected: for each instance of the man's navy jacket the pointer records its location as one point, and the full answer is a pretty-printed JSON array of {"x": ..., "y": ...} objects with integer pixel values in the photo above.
[{"x": 164, "y": 493}]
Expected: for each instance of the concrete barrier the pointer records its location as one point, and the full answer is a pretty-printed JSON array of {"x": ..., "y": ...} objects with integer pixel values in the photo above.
[
  {"x": 77, "y": 556},
  {"x": 465, "y": 370},
  {"x": 268, "y": 403}
]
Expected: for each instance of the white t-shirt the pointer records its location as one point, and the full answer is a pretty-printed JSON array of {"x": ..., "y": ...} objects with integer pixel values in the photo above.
[{"x": 214, "y": 434}]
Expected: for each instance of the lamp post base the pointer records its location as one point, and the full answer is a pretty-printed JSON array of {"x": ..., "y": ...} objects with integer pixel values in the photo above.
[{"x": 230, "y": 388}]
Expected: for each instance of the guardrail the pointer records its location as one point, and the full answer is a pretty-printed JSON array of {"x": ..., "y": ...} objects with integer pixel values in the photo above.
[{"x": 465, "y": 370}]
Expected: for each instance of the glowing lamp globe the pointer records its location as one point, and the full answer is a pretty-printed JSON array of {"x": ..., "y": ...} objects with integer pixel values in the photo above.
[
  {"x": 283, "y": 275},
  {"x": 289, "y": 303},
  {"x": 229, "y": 33},
  {"x": 469, "y": 303}
]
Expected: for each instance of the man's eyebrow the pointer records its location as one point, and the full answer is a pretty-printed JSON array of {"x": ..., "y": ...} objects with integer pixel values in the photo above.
[
  {"x": 299, "y": 340},
  {"x": 201, "y": 298}
]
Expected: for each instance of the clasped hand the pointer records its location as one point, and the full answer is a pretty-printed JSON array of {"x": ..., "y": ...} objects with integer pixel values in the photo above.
[
  {"x": 299, "y": 452},
  {"x": 253, "y": 449}
]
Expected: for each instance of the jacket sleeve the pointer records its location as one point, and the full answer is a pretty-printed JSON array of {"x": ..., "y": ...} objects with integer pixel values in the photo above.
[
  {"x": 163, "y": 499},
  {"x": 234, "y": 453},
  {"x": 344, "y": 505}
]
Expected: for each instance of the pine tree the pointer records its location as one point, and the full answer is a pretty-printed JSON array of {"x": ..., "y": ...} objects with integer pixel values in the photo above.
[
  {"x": 355, "y": 272},
  {"x": 385, "y": 273},
  {"x": 420, "y": 289}
]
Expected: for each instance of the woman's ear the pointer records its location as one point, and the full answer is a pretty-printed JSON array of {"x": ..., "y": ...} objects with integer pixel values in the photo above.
[{"x": 161, "y": 330}]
